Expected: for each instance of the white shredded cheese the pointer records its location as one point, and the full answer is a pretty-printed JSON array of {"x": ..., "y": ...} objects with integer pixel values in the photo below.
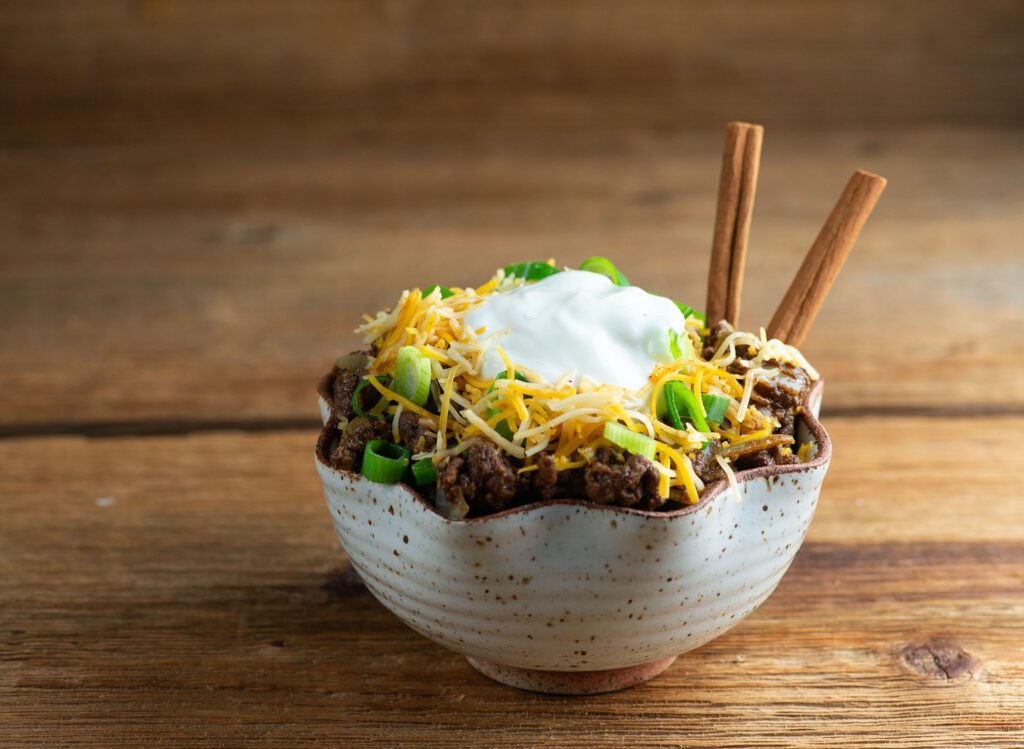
[
  {"x": 394, "y": 425},
  {"x": 510, "y": 447},
  {"x": 459, "y": 346},
  {"x": 724, "y": 463}
]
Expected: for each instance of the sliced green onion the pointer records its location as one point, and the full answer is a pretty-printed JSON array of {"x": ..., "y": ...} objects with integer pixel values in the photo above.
[
  {"x": 530, "y": 271},
  {"x": 688, "y": 406},
  {"x": 503, "y": 375},
  {"x": 423, "y": 471},
  {"x": 688, "y": 311},
  {"x": 383, "y": 380},
  {"x": 679, "y": 404},
  {"x": 670, "y": 346},
  {"x": 634, "y": 442},
  {"x": 684, "y": 346},
  {"x": 445, "y": 291},
  {"x": 605, "y": 267},
  {"x": 502, "y": 426},
  {"x": 504, "y": 430},
  {"x": 673, "y": 345},
  {"x": 412, "y": 375},
  {"x": 600, "y": 265},
  {"x": 384, "y": 462},
  {"x": 666, "y": 407},
  {"x": 715, "y": 406}
]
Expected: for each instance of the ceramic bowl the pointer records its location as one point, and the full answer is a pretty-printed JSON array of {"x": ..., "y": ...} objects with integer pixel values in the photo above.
[{"x": 571, "y": 597}]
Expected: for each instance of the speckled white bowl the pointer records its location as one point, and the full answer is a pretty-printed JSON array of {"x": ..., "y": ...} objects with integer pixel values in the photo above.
[{"x": 572, "y": 597}]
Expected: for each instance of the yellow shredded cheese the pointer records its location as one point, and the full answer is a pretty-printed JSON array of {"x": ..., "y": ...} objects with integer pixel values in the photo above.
[
  {"x": 565, "y": 419},
  {"x": 392, "y": 395},
  {"x": 803, "y": 453},
  {"x": 510, "y": 447}
]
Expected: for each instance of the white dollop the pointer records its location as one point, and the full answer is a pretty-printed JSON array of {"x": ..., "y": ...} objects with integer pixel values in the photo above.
[{"x": 577, "y": 320}]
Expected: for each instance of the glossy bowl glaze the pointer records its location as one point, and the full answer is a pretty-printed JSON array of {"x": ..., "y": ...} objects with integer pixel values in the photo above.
[{"x": 572, "y": 597}]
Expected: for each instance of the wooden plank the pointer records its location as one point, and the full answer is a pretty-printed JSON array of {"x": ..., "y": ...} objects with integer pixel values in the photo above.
[
  {"x": 190, "y": 591},
  {"x": 165, "y": 70},
  {"x": 216, "y": 284}
]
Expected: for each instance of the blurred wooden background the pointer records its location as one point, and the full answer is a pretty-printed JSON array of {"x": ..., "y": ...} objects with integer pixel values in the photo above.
[
  {"x": 248, "y": 70},
  {"x": 259, "y": 174},
  {"x": 199, "y": 199}
]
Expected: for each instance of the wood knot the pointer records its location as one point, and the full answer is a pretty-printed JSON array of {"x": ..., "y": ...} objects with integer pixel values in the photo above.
[{"x": 939, "y": 658}]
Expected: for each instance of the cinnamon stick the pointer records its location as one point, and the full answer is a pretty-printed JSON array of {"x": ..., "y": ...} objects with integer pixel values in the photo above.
[
  {"x": 736, "y": 187},
  {"x": 799, "y": 307}
]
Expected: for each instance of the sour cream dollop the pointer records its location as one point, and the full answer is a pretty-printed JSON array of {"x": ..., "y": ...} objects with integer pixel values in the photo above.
[{"x": 578, "y": 320}]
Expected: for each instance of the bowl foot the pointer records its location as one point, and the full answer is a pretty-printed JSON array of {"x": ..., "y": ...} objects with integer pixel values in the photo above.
[{"x": 570, "y": 682}]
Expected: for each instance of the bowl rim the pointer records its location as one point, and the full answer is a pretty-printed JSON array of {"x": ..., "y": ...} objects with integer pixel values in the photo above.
[{"x": 713, "y": 492}]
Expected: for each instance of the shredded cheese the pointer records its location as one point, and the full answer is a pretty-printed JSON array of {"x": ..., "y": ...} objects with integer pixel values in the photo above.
[
  {"x": 510, "y": 447},
  {"x": 735, "y": 487},
  {"x": 394, "y": 424},
  {"x": 560, "y": 418}
]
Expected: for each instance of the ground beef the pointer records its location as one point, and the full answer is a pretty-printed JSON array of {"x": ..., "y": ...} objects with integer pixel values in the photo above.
[
  {"x": 754, "y": 460},
  {"x": 706, "y": 467},
  {"x": 415, "y": 437},
  {"x": 344, "y": 385},
  {"x": 788, "y": 389},
  {"x": 543, "y": 483},
  {"x": 716, "y": 335},
  {"x": 783, "y": 396},
  {"x": 572, "y": 483},
  {"x": 547, "y": 483},
  {"x": 611, "y": 479},
  {"x": 487, "y": 480},
  {"x": 791, "y": 384},
  {"x": 482, "y": 477},
  {"x": 783, "y": 459},
  {"x": 780, "y": 398},
  {"x": 770, "y": 457},
  {"x": 345, "y": 382},
  {"x": 348, "y": 454},
  {"x": 787, "y": 421}
]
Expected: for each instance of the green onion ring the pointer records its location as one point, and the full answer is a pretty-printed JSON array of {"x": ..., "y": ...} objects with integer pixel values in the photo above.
[
  {"x": 412, "y": 375},
  {"x": 383, "y": 380},
  {"x": 715, "y": 406},
  {"x": 424, "y": 472},
  {"x": 686, "y": 401},
  {"x": 534, "y": 271},
  {"x": 384, "y": 462},
  {"x": 631, "y": 441},
  {"x": 606, "y": 268}
]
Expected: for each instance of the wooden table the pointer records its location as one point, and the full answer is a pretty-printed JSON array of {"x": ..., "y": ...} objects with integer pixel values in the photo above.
[{"x": 168, "y": 572}]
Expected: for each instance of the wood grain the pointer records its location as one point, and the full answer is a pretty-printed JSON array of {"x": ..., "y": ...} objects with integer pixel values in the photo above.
[
  {"x": 453, "y": 72},
  {"x": 199, "y": 200},
  {"x": 194, "y": 283},
  {"x": 191, "y": 591}
]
